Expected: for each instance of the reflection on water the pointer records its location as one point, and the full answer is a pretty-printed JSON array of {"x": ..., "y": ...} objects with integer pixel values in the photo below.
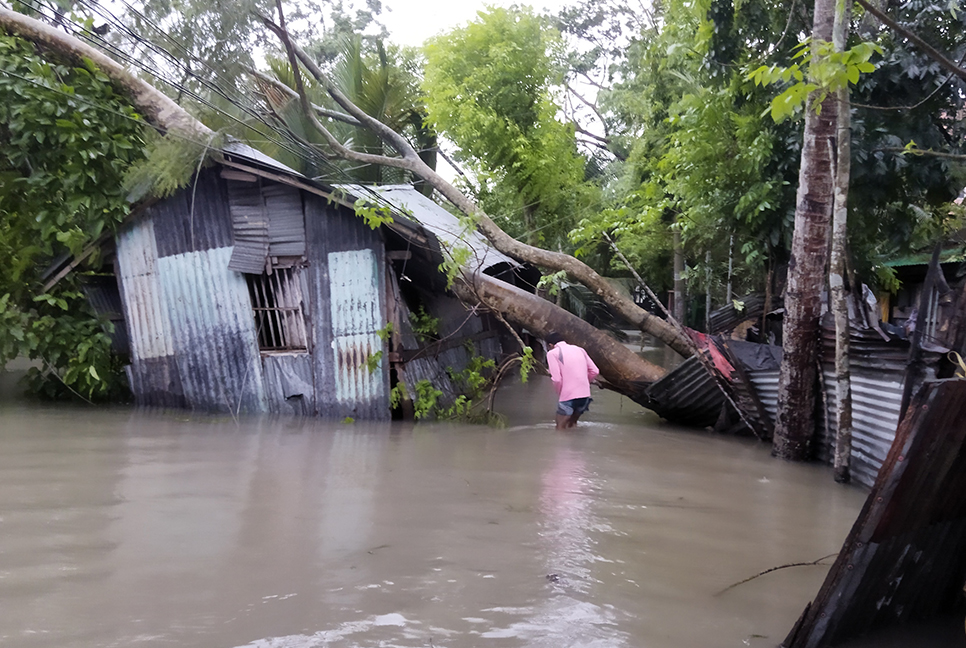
[{"x": 121, "y": 528}]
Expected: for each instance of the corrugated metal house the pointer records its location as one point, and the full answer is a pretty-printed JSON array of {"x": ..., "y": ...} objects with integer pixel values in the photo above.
[{"x": 257, "y": 290}]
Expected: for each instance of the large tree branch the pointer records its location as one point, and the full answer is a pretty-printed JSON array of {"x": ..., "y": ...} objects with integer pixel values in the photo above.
[
  {"x": 156, "y": 107},
  {"x": 503, "y": 242},
  {"x": 931, "y": 51},
  {"x": 589, "y": 104},
  {"x": 600, "y": 142},
  {"x": 292, "y": 94},
  {"x": 923, "y": 152}
]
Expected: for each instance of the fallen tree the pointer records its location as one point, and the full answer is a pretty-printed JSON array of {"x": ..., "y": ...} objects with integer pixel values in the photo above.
[
  {"x": 408, "y": 160},
  {"x": 623, "y": 369}
]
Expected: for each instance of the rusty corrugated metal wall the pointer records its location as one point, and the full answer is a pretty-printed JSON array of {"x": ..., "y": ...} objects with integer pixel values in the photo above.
[
  {"x": 878, "y": 369},
  {"x": 354, "y": 305},
  {"x": 346, "y": 305},
  {"x": 191, "y": 319}
]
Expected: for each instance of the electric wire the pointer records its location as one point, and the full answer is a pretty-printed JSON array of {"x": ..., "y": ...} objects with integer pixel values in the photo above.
[
  {"x": 284, "y": 142},
  {"x": 219, "y": 85}
]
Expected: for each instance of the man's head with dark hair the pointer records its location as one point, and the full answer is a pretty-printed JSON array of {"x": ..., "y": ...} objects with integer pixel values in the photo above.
[{"x": 553, "y": 338}]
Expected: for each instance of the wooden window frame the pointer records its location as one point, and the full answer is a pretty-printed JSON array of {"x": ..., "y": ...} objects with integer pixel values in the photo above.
[{"x": 278, "y": 309}]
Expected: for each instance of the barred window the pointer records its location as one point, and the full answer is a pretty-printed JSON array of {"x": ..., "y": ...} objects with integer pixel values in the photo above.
[{"x": 277, "y": 302}]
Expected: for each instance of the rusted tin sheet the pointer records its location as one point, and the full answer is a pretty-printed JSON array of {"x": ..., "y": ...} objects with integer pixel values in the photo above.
[
  {"x": 195, "y": 219},
  {"x": 356, "y": 314},
  {"x": 356, "y": 387},
  {"x": 687, "y": 395},
  {"x": 875, "y": 413},
  {"x": 244, "y": 153},
  {"x": 903, "y": 560},
  {"x": 214, "y": 334},
  {"x": 289, "y": 383},
  {"x": 250, "y": 226},
  {"x": 766, "y": 386},
  {"x": 149, "y": 327},
  {"x": 877, "y": 369},
  {"x": 332, "y": 229},
  {"x": 286, "y": 220}
]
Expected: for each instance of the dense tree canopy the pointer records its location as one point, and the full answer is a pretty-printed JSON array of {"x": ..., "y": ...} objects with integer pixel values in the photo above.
[
  {"x": 66, "y": 141},
  {"x": 489, "y": 89}
]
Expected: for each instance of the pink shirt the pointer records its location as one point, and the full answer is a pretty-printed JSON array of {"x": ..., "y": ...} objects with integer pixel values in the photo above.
[{"x": 571, "y": 370}]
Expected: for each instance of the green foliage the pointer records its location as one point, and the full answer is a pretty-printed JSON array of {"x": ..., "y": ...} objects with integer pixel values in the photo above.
[
  {"x": 551, "y": 282},
  {"x": 67, "y": 138},
  {"x": 527, "y": 363},
  {"x": 373, "y": 361},
  {"x": 702, "y": 159},
  {"x": 886, "y": 278},
  {"x": 169, "y": 164},
  {"x": 385, "y": 333},
  {"x": 472, "y": 378},
  {"x": 382, "y": 81},
  {"x": 397, "y": 395},
  {"x": 899, "y": 202},
  {"x": 828, "y": 72},
  {"x": 455, "y": 258},
  {"x": 374, "y": 214},
  {"x": 426, "y": 398},
  {"x": 425, "y": 326},
  {"x": 489, "y": 88},
  {"x": 471, "y": 382}
]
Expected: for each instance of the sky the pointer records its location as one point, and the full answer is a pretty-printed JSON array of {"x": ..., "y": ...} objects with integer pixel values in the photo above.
[{"x": 411, "y": 22}]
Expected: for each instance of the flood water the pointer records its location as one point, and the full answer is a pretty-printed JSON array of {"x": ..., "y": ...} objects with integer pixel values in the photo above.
[{"x": 126, "y": 528}]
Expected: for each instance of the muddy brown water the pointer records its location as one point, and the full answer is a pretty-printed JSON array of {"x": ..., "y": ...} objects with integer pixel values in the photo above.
[{"x": 128, "y": 528}]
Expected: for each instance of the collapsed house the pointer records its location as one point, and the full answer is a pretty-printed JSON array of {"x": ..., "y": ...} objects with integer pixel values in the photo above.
[
  {"x": 888, "y": 360},
  {"x": 903, "y": 561},
  {"x": 258, "y": 290}
]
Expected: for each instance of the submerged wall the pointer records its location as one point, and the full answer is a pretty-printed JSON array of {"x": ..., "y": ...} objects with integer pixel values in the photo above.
[{"x": 196, "y": 340}]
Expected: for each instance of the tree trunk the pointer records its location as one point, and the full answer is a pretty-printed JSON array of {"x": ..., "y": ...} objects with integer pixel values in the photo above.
[
  {"x": 159, "y": 110},
  {"x": 626, "y": 372},
  {"x": 806, "y": 271},
  {"x": 678, "y": 277},
  {"x": 837, "y": 263},
  {"x": 623, "y": 369}
]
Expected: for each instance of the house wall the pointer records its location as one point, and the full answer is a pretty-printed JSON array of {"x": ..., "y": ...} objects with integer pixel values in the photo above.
[
  {"x": 190, "y": 319},
  {"x": 347, "y": 306}
]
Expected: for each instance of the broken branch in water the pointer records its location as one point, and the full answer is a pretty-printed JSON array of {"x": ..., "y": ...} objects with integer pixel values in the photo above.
[{"x": 768, "y": 571}]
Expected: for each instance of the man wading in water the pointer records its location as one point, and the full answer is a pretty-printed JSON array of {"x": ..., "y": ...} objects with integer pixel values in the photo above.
[{"x": 572, "y": 371}]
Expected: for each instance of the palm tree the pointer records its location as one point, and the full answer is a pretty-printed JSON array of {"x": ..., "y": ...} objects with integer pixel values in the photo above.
[{"x": 382, "y": 83}]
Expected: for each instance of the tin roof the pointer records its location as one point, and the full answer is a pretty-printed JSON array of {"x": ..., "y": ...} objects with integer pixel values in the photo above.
[
  {"x": 414, "y": 210},
  {"x": 949, "y": 255},
  {"x": 245, "y": 153}
]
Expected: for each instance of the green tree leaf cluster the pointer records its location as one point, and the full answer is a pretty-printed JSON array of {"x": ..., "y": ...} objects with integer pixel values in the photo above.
[
  {"x": 702, "y": 158},
  {"x": 705, "y": 157},
  {"x": 489, "y": 89},
  {"x": 382, "y": 80},
  {"x": 67, "y": 139}
]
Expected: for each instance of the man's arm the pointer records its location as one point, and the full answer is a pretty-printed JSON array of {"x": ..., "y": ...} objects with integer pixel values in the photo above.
[
  {"x": 554, "y": 366},
  {"x": 592, "y": 370}
]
